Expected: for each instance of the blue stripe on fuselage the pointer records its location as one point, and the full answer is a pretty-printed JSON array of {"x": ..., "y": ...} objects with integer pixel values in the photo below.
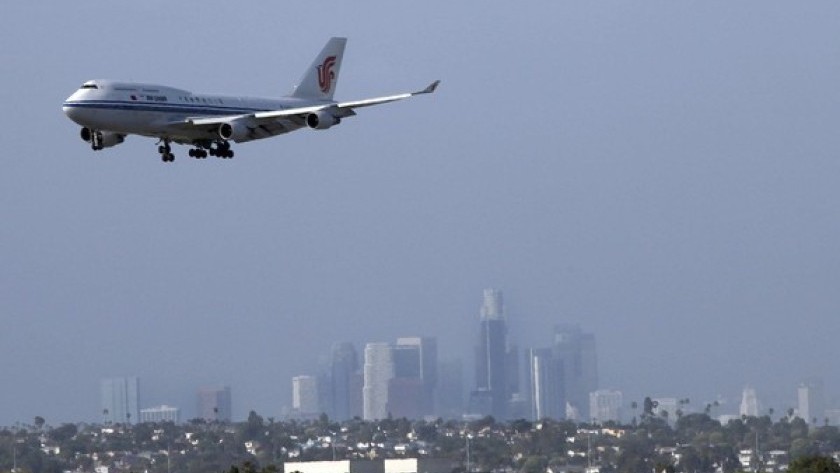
[{"x": 163, "y": 107}]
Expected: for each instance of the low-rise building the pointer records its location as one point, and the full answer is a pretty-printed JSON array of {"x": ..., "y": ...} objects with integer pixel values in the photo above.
[
  {"x": 338, "y": 466},
  {"x": 419, "y": 465},
  {"x": 390, "y": 465}
]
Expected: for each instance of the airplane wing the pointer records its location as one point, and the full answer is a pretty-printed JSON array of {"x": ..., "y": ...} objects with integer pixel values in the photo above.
[
  {"x": 340, "y": 109},
  {"x": 393, "y": 98}
]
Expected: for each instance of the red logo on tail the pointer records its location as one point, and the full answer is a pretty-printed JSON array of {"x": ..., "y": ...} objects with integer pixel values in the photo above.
[{"x": 326, "y": 74}]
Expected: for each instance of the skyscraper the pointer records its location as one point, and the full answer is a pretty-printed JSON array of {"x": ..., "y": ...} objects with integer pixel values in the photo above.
[
  {"x": 305, "y": 396},
  {"x": 449, "y": 394},
  {"x": 749, "y": 403},
  {"x": 378, "y": 371},
  {"x": 547, "y": 394},
  {"x": 423, "y": 352},
  {"x": 811, "y": 397},
  {"x": 576, "y": 350},
  {"x": 119, "y": 400},
  {"x": 490, "y": 396},
  {"x": 214, "y": 404},
  {"x": 344, "y": 366}
]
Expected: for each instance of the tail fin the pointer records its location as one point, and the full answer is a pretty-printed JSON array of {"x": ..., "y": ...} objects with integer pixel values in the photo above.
[{"x": 319, "y": 81}]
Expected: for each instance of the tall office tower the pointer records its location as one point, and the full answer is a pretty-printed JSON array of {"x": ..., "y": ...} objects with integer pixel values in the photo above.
[
  {"x": 305, "y": 397},
  {"x": 749, "y": 403},
  {"x": 344, "y": 365},
  {"x": 512, "y": 370},
  {"x": 162, "y": 413},
  {"x": 449, "y": 395},
  {"x": 490, "y": 396},
  {"x": 605, "y": 405},
  {"x": 811, "y": 398},
  {"x": 214, "y": 404},
  {"x": 325, "y": 397},
  {"x": 424, "y": 351},
  {"x": 378, "y": 371},
  {"x": 357, "y": 402},
  {"x": 119, "y": 398},
  {"x": 577, "y": 351},
  {"x": 545, "y": 371}
]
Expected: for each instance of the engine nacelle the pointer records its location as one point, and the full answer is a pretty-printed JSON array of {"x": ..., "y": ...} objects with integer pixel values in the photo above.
[
  {"x": 101, "y": 139},
  {"x": 321, "y": 120},
  {"x": 236, "y": 130}
]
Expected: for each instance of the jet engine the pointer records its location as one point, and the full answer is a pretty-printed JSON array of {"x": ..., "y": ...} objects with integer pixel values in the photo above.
[
  {"x": 101, "y": 139},
  {"x": 236, "y": 130},
  {"x": 321, "y": 120}
]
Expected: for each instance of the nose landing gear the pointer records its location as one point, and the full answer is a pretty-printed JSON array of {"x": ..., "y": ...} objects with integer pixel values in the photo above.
[{"x": 96, "y": 140}]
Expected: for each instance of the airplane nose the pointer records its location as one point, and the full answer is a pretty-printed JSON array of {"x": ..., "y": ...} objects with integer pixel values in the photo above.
[
  {"x": 77, "y": 114},
  {"x": 69, "y": 111}
]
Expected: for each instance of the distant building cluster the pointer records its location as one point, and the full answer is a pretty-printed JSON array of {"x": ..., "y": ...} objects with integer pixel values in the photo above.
[
  {"x": 396, "y": 379},
  {"x": 405, "y": 378},
  {"x": 120, "y": 401}
]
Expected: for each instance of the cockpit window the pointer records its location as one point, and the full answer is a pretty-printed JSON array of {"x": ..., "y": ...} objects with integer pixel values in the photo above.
[{"x": 89, "y": 86}]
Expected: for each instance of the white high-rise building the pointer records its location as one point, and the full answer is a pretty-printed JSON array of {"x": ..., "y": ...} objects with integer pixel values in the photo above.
[
  {"x": 605, "y": 405},
  {"x": 493, "y": 306},
  {"x": 811, "y": 405},
  {"x": 378, "y": 371},
  {"x": 305, "y": 395},
  {"x": 119, "y": 397},
  {"x": 545, "y": 372},
  {"x": 750, "y": 406}
]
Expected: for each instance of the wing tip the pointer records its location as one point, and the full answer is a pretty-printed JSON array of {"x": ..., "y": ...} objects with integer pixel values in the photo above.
[{"x": 431, "y": 88}]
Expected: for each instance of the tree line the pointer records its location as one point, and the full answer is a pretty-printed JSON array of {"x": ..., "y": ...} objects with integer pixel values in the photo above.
[{"x": 260, "y": 445}]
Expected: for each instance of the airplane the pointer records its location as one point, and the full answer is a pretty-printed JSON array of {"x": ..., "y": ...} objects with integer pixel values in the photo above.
[{"x": 108, "y": 111}]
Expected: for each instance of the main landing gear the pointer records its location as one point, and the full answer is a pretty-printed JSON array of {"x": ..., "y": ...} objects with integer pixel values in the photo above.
[
  {"x": 166, "y": 152},
  {"x": 219, "y": 149},
  {"x": 222, "y": 150},
  {"x": 198, "y": 153}
]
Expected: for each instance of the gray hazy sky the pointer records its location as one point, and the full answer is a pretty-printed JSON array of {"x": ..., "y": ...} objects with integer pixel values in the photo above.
[{"x": 664, "y": 173}]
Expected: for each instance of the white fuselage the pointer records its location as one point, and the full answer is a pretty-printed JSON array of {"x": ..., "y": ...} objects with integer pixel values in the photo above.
[{"x": 160, "y": 111}]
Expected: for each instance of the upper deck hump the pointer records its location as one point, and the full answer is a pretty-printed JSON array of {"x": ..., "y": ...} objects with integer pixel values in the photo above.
[{"x": 112, "y": 85}]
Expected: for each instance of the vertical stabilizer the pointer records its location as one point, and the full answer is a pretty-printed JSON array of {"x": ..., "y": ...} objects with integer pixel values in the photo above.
[{"x": 320, "y": 79}]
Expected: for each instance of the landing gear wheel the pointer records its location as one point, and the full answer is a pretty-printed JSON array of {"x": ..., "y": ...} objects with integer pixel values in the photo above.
[
  {"x": 198, "y": 153},
  {"x": 165, "y": 152},
  {"x": 221, "y": 150}
]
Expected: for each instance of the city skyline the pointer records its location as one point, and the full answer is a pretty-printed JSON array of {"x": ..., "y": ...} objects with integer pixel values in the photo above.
[
  {"x": 121, "y": 396},
  {"x": 561, "y": 383}
]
